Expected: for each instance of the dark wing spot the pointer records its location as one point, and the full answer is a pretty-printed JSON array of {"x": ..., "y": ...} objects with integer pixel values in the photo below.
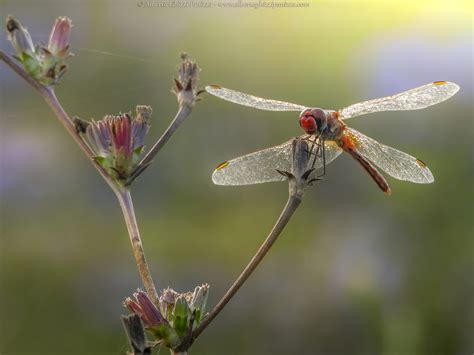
[
  {"x": 421, "y": 163},
  {"x": 215, "y": 86},
  {"x": 222, "y": 165},
  {"x": 439, "y": 82}
]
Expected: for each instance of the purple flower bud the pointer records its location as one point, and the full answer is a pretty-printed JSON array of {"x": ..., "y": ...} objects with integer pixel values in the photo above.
[
  {"x": 150, "y": 314},
  {"x": 97, "y": 134},
  {"x": 115, "y": 140},
  {"x": 120, "y": 131},
  {"x": 144, "y": 307},
  {"x": 133, "y": 306},
  {"x": 20, "y": 37},
  {"x": 59, "y": 39},
  {"x": 175, "y": 317}
]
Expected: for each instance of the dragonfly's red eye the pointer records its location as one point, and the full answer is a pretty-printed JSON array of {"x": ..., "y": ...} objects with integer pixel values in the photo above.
[
  {"x": 313, "y": 120},
  {"x": 308, "y": 123}
]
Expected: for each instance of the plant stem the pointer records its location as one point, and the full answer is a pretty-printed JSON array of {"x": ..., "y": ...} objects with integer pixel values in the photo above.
[
  {"x": 125, "y": 200},
  {"x": 292, "y": 204},
  {"x": 123, "y": 194},
  {"x": 298, "y": 179},
  {"x": 47, "y": 93},
  {"x": 180, "y": 117}
]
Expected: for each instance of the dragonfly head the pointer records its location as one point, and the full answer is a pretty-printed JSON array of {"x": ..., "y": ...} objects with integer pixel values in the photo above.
[{"x": 313, "y": 120}]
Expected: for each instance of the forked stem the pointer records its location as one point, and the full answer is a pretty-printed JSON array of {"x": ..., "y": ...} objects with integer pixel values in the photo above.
[{"x": 180, "y": 117}]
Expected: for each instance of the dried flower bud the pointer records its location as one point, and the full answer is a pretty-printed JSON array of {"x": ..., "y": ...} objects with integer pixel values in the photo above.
[
  {"x": 20, "y": 38},
  {"x": 185, "y": 87},
  {"x": 98, "y": 137},
  {"x": 58, "y": 44},
  {"x": 117, "y": 141},
  {"x": 45, "y": 64},
  {"x": 141, "y": 125},
  {"x": 176, "y": 305},
  {"x": 120, "y": 133},
  {"x": 176, "y": 315},
  {"x": 152, "y": 318},
  {"x": 56, "y": 53},
  {"x": 301, "y": 174},
  {"x": 144, "y": 307},
  {"x": 198, "y": 302},
  {"x": 136, "y": 334},
  {"x": 133, "y": 306}
]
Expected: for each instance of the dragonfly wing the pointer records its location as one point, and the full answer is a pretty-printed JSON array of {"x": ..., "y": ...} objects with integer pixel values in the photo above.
[
  {"x": 252, "y": 101},
  {"x": 397, "y": 164},
  {"x": 260, "y": 167},
  {"x": 414, "y": 99}
]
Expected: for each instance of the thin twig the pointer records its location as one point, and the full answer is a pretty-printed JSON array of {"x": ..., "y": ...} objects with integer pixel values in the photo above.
[
  {"x": 185, "y": 89},
  {"x": 125, "y": 200},
  {"x": 289, "y": 209},
  {"x": 180, "y": 117}
]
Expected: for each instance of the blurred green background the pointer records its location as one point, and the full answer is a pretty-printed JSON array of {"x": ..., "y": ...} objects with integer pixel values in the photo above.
[{"x": 355, "y": 271}]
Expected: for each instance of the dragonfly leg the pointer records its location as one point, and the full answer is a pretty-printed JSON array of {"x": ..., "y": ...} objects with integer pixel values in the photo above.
[
  {"x": 320, "y": 153},
  {"x": 313, "y": 143},
  {"x": 317, "y": 153},
  {"x": 308, "y": 138},
  {"x": 323, "y": 156}
]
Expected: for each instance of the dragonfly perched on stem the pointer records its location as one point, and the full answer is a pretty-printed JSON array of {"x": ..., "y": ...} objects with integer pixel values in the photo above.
[{"x": 329, "y": 136}]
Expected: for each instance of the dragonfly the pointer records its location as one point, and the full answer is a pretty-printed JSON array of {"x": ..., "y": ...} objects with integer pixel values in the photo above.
[{"x": 330, "y": 136}]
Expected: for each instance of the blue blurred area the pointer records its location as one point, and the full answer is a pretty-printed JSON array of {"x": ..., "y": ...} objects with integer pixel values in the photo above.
[{"x": 355, "y": 272}]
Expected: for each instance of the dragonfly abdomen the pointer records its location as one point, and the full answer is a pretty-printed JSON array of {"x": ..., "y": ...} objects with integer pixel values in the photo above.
[{"x": 348, "y": 146}]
